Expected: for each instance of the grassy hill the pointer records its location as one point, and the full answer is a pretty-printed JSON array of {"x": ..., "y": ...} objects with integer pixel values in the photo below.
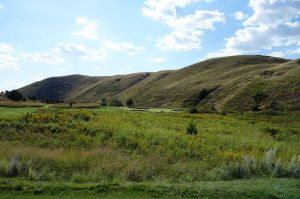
[{"x": 222, "y": 84}]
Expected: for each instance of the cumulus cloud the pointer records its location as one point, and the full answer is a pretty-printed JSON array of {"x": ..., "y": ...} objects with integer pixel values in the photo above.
[
  {"x": 65, "y": 52},
  {"x": 157, "y": 60},
  {"x": 294, "y": 51},
  {"x": 274, "y": 23},
  {"x": 8, "y": 60},
  {"x": 80, "y": 51},
  {"x": 123, "y": 47},
  {"x": 240, "y": 15},
  {"x": 187, "y": 30},
  {"x": 44, "y": 57},
  {"x": 277, "y": 54},
  {"x": 6, "y": 48},
  {"x": 11, "y": 84},
  {"x": 89, "y": 29}
]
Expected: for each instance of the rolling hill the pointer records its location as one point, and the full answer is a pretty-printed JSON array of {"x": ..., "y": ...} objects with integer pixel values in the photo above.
[{"x": 222, "y": 84}]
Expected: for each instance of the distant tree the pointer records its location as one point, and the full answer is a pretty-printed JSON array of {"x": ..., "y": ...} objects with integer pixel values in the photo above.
[
  {"x": 103, "y": 102},
  {"x": 130, "y": 102},
  {"x": 32, "y": 98},
  {"x": 71, "y": 104},
  {"x": 193, "y": 110},
  {"x": 14, "y": 95},
  {"x": 194, "y": 100},
  {"x": 258, "y": 97},
  {"x": 116, "y": 103}
]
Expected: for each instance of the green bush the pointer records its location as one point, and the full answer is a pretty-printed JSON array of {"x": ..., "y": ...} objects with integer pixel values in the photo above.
[
  {"x": 271, "y": 131},
  {"x": 116, "y": 103},
  {"x": 191, "y": 129},
  {"x": 130, "y": 102},
  {"x": 193, "y": 110}
]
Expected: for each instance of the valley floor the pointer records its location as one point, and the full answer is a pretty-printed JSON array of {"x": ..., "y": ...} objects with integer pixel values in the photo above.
[{"x": 124, "y": 153}]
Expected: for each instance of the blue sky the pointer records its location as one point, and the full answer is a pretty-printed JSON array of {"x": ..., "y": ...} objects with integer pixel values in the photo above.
[{"x": 44, "y": 38}]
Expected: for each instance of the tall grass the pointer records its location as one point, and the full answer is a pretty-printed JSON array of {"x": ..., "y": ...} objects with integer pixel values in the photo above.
[
  {"x": 267, "y": 166},
  {"x": 111, "y": 144}
]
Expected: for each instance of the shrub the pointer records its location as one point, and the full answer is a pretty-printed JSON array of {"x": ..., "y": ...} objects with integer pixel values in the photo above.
[
  {"x": 103, "y": 102},
  {"x": 191, "y": 129},
  {"x": 272, "y": 132},
  {"x": 193, "y": 110},
  {"x": 116, "y": 103},
  {"x": 130, "y": 102},
  {"x": 258, "y": 97}
]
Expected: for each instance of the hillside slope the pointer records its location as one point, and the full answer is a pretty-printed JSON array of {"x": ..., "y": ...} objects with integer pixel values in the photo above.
[{"x": 227, "y": 83}]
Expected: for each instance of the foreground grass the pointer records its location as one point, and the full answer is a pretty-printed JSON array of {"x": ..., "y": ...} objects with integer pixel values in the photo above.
[
  {"x": 119, "y": 153},
  {"x": 244, "y": 189},
  {"x": 120, "y": 145}
]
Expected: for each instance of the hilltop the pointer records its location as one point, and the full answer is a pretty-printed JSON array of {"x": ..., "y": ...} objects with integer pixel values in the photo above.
[{"x": 222, "y": 84}]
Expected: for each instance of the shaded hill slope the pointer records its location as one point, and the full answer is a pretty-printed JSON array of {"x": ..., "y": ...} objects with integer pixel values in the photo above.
[{"x": 227, "y": 83}]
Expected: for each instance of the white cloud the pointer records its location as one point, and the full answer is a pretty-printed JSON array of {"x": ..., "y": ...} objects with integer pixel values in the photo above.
[
  {"x": 8, "y": 59},
  {"x": 89, "y": 29},
  {"x": 124, "y": 47},
  {"x": 80, "y": 51},
  {"x": 274, "y": 23},
  {"x": 61, "y": 69},
  {"x": 277, "y": 54},
  {"x": 157, "y": 60},
  {"x": 45, "y": 57},
  {"x": 96, "y": 68},
  {"x": 9, "y": 62},
  {"x": 81, "y": 20},
  {"x": 163, "y": 10},
  {"x": 187, "y": 30},
  {"x": 6, "y": 48},
  {"x": 65, "y": 52},
  {"x": 222, "y": 53},
  {"x": 1, "y": 6},
  {"x": 240, "y": 15},
  {"x": 11, "y": 84},
  {"x": 294, "y": 51}
]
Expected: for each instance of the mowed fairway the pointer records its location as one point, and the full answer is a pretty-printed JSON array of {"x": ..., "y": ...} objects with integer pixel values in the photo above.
[
  {"x": 45, "y": 151},
  {"x": 15, "y": 112}
]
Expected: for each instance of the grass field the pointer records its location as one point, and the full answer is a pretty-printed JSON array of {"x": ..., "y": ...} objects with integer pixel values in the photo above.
[
  {"x": 147, "y": 154},
  {"x": 244, "y": 189}
]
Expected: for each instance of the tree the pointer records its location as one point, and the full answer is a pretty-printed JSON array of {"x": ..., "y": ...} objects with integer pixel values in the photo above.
[
  {"x": 103, "y": 102},
  {"x": 193, "y": 110},
  {"x": 116, "y": 103},
  {"x": 258, "y": 97},
  {"x": 130, "y": 102},
  {"x": 14, "y": 95},
  {"x": 32, "y": 98}
]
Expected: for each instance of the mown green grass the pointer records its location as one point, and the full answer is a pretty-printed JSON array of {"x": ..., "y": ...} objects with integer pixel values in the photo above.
[
  {"x": 244, "y": 189},
  {"x": 6, "y": 112}
]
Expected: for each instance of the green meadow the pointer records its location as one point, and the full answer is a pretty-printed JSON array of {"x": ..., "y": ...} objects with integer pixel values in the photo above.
[{"x": 124, "y": 153}]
